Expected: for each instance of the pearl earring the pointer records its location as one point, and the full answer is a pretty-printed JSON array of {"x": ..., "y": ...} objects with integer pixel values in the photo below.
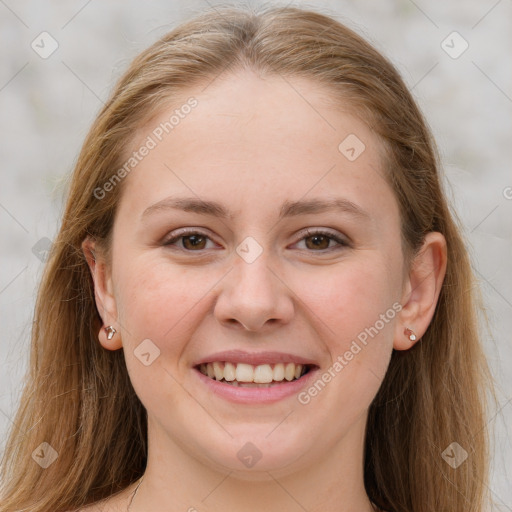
[{"x": 408, "y": 332}]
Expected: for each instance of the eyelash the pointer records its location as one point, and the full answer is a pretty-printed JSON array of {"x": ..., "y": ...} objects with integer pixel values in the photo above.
[{"x": 307, "y": 234}]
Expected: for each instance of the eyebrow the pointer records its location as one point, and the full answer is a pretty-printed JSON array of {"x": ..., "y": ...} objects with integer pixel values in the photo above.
[{"x": 288, "y": 208}]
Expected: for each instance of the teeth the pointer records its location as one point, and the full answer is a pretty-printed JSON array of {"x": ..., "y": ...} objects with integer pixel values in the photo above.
[
  {"x": 218, "y": 370},
  {"x": 289, "y": 371},
  {"x": 279, "y": 372},
  {"x": 254, "y": 385},
  {"x": 244, "y": 373},
  {"x": 263, "y": 374},
  {"x": 229, "y": 372},
  {"x": 247, "y": 375}
]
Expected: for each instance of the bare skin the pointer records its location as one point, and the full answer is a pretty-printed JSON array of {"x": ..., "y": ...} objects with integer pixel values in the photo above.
[{"x": 251, "y": 144}]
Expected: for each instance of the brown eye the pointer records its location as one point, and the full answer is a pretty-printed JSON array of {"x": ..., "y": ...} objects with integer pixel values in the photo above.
[
  {"x": 191, "y": 241},
  {"x": 194, "y": 241},
  {"x": 318, "y": 242}
]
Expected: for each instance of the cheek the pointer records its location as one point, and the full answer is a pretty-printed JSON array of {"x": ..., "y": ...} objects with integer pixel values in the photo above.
[
  {"x": 356, "y": 318},
  {"x": 362, "y": 298},
  {"x": 357, "y": 307},
  {"x": 161, "y": 302}
]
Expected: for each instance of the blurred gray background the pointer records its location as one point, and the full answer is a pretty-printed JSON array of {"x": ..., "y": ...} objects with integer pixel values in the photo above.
[{"x": 463, "y": 83}]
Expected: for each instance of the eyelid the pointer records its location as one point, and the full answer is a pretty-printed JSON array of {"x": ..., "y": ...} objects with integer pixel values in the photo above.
[
  {"x": 323, "y": 231},
  {"x": 176, "y": 235},
  {"x": 340, "y": 239}
]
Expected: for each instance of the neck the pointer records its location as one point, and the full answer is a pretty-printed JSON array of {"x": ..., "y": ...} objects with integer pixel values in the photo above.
[{"x": 176, "y": 481}]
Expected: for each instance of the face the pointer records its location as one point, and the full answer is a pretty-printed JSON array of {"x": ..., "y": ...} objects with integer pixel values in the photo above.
[{"x": 265, "y": 283}]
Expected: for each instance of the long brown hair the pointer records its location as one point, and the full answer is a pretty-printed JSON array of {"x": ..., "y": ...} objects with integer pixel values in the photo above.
[{"x": 78, "y": 397}]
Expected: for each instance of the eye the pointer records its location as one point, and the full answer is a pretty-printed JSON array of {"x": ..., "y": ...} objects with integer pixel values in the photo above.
[
  {"x": 192, "y": 241},
  {"x": 320, "y": 240}
]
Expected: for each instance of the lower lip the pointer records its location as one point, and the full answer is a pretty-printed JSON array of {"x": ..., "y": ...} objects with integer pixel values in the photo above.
[{"x": 256, "y": 395}]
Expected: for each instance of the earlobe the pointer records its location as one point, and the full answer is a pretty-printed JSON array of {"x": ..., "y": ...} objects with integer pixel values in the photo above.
[
  {"x": 422, "y": 291},
  {"x": 108, "y": 336}
]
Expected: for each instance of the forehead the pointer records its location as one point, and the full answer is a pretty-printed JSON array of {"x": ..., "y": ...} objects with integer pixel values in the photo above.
[{"x": 253, "y": 138}]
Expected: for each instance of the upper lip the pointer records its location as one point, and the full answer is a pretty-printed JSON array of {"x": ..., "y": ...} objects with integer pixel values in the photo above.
[{"x": 255, "y": 358}]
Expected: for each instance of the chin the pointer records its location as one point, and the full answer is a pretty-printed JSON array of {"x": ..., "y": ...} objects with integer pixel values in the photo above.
[{"x": 251, "y": 457}]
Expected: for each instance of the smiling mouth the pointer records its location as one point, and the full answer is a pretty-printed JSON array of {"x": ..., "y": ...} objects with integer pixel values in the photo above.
[{"x": 258, "y": 376}]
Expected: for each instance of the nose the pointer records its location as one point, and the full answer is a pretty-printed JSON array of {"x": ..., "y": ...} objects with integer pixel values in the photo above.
[{"x": 254, "y": 296}]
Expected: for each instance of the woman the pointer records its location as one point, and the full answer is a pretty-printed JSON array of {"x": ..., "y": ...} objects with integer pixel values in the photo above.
[{"x": 258, "y": 298}]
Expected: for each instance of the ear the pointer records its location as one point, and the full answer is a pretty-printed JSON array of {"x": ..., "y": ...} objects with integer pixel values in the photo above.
[
  {"x": 421, "y": 290},
  {"x": 103, "y": 293}
]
